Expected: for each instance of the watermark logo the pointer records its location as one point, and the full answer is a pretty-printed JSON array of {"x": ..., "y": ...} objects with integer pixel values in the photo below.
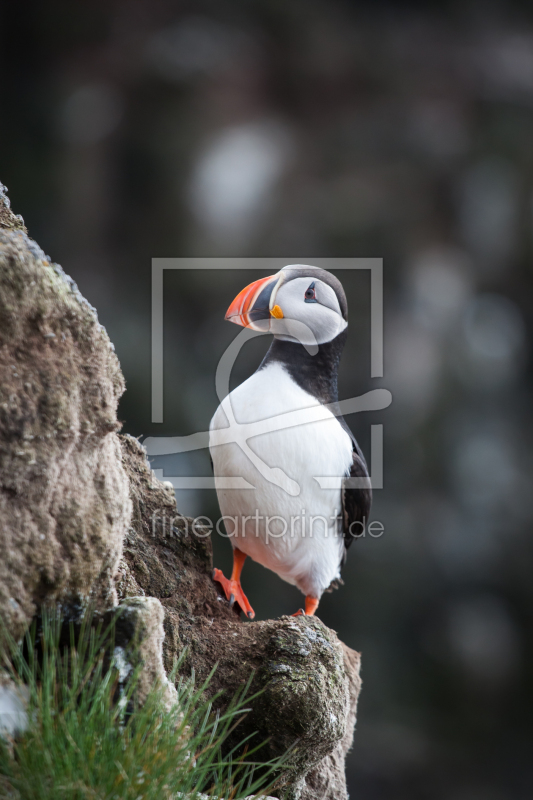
[
  {"x": 304, "y": 525},
  {"x": 241, "y": 433}
]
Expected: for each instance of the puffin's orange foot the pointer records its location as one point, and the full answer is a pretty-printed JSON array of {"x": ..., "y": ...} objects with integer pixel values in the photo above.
[
  {"x": 311, "y": 605},
  {"x": 234, "y": 593}
]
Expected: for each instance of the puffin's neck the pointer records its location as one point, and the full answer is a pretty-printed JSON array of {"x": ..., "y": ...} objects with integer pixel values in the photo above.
[{"x": 315, "y": 374}]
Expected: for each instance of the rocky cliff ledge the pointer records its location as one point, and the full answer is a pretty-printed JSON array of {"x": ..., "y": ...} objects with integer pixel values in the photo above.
[{"x": 83, "y": 518}]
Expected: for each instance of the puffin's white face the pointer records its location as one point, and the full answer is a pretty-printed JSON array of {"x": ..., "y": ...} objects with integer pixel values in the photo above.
[
  {"x": 312, "y": 302},
  {"x": 298, "y": 304}
]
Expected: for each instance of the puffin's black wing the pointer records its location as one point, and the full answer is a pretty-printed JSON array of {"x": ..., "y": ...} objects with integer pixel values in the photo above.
[{"x": 356, "y": 503}]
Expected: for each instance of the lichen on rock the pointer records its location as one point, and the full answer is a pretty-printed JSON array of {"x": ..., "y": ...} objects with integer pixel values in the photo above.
[
  {"x": 13, "y": 707},
  {"x": 139, "y": 635}
]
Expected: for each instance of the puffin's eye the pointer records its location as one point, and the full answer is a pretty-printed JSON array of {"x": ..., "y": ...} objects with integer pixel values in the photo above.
[{"x": 310, "y": 296}]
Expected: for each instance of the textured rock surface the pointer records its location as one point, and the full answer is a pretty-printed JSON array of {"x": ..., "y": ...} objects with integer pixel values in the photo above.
[
  {"x": 64, "y": 499},
  {"x": 8, "y": 220},
  {"x": 13, "y": 705},
  {"x": 139, "y": 635},
  {"x": 327, "y": 780},
  {"x": 82, "y": 516}
]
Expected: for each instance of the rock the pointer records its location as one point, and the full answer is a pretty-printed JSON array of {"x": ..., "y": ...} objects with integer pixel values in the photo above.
[
  {"x": 8, "y": 220},
  {"x": 82, "y": 517},
  {"x": 327, "y": 781},
  {"x": 64, "y": 495},
  {"x": 139, "y": 636},
  {"x": 13, "y": 707}
]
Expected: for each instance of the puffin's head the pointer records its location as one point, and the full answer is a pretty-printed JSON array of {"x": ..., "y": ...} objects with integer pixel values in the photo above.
[{"x": 310, "y": 298}]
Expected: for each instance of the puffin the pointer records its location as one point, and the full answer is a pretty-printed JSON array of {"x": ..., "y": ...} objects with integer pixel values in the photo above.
[{"x": 290, "y": 433}]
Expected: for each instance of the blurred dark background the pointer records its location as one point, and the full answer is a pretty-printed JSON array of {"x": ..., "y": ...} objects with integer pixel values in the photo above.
[{"x": 147, "y": 128}]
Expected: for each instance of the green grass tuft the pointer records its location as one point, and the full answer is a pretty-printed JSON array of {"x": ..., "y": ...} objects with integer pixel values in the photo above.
[{"x": 87, "y": 739}]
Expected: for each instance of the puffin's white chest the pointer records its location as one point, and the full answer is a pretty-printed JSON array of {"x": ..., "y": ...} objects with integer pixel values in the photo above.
[{"x": 296, "y": 533}]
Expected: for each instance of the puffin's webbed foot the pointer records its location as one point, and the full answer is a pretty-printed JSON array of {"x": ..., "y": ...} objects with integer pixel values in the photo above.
[
  {"x": 234, "y": 593},
  {"x": 311, "y": 605}
]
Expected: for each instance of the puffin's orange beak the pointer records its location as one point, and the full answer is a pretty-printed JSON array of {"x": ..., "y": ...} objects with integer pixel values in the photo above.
[{"x": 255, "y": 305}]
